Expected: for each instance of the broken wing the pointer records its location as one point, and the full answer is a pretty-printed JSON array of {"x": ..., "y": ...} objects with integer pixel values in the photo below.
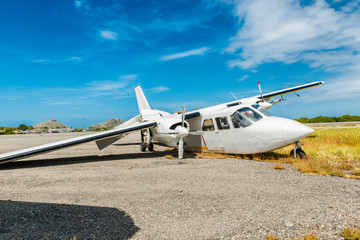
[{"x": 103, "y": 139}]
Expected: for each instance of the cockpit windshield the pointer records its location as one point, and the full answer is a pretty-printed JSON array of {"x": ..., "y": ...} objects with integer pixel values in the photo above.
[
  {"x": 244, "y": 117},
  {"x": 262, "y": 110}
]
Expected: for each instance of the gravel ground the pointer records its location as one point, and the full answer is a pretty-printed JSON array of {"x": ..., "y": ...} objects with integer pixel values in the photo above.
[{"x": 120, "y": 193}]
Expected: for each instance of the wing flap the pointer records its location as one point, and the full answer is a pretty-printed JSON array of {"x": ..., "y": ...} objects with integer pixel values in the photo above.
[
  {"x": 103, "y": 143},
  {"x": 109, "y": 134}
]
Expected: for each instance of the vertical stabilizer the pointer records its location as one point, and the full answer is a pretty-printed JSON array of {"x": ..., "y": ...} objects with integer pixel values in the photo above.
[{"x": 141, "y": 99}]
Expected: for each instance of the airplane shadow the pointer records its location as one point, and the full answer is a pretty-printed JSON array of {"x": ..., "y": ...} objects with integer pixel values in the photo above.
[
  {"x": 136, "y": 144},
  {"x": 83, "y": 159},
  {"x": 30, "y": 220}
]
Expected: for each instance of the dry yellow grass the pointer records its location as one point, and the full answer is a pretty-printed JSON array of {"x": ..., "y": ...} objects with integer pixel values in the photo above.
[
  {"x": 351, "y": 233},
  {"x": 279, "y": 167},
  {"x": 309, "y": 237},
  {"x": 306, "y": 237},
  {"x": 333, "y": 152},
  {"x": 270, "y": 237}
]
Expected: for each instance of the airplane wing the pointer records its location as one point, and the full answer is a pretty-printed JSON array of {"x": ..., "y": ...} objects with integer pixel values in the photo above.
[
  {"x": 268, "y": 96},
  {"x": 102, "y": 139}
]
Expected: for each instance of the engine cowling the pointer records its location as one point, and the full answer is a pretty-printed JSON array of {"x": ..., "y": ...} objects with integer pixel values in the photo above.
[{"x": 170, "y": 130}]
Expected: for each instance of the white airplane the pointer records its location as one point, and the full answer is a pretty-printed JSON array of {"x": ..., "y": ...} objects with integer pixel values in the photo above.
[{"x": 241, "y": 127}]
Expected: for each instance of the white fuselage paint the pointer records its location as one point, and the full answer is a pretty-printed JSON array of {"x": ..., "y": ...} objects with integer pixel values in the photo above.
[{"x": 266, "y": 134}]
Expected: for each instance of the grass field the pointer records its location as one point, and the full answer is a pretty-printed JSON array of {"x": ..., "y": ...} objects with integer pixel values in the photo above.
[{"x": 334, "y": 152}]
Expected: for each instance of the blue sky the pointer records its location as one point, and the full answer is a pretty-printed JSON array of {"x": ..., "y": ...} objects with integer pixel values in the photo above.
[{"x": 79, "y": 61}]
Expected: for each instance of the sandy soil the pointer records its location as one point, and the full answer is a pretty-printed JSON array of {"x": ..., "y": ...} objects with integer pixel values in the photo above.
[{"x": 121, "y": 193}]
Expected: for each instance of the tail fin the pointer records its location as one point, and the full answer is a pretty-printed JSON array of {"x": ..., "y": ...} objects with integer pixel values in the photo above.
[{"x": 141, "y": 99}]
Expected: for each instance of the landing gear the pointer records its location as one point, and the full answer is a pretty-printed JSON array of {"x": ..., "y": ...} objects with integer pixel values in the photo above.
[
  {"x": 297, "y": 152},
  {"x": 143, "y": 146},
  {"x": 148, "y": 144},
  {"x": 151, "y": 147}
]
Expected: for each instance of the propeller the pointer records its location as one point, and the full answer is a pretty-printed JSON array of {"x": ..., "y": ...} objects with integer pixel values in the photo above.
[
  {"x": 182, "y": 132},
  {"x": 260, "y": 92}
]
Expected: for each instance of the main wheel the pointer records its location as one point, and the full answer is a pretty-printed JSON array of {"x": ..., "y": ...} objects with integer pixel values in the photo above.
[
  {"x": 143, "y": 146},
  {"x": 151, "y": 147}
]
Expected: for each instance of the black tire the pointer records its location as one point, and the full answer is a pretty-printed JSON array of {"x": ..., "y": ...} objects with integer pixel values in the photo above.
[
  {"x": 151, "y": 147},
  {"x": 143, "y": 146},
  {"x": 299, "y": 153},
  {"x": 292, "y": 153}
]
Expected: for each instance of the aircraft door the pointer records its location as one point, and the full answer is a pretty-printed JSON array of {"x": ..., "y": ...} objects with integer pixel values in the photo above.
[{"x": 211, "y": 138}]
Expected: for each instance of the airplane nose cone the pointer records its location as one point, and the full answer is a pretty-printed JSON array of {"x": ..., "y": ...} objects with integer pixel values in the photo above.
[{"x": 293, "y": 131}]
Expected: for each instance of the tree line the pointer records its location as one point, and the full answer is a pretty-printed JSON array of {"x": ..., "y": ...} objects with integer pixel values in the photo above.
[{"x": 325, "y": 119}]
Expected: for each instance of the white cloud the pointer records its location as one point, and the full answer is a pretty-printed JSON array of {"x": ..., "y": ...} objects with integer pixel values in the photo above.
[
  {"x": 78, "y": 3},
  {"x": 160, "y": 89},
  {"x": 243, "y": 78},
  {"x": 345, "y": 86},
  {"x": 59, "y": 103},
  {"x": 107, "y": 85},
  {"x": 122, "y": 82},
  {"x": 199, "y": 51},
  {"x": 40, "y": 60},
  {"x": 108, "y": 35},
  {"x": 316, "y": 34},
  {"x": 284, "y": 31},
  {"x": 74, "y": 59}
]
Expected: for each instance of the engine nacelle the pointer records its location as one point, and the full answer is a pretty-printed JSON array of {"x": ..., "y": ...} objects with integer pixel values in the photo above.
[{"x": 165, "y": 130}]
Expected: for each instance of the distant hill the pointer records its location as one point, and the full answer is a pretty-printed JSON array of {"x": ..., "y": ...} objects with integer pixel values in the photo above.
[
  {"x": 52, "y": 123},
  {"x": 108, "y": 124},
  {"x": 325, "y": 119}
]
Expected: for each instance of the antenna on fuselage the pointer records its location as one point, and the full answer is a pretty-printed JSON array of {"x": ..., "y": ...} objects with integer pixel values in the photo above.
[{"x": 235, "y": 98}]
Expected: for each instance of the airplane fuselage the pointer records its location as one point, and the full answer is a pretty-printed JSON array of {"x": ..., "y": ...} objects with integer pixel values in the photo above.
[{"x": 239, "y": 129}]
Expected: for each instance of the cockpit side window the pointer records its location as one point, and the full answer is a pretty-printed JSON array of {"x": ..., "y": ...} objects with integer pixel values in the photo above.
[
  {"x": 222, "y": 123},
  {"x": 262, "y": 110},
  {"x": 208, "y": 125},
  {"x": 244, "y": 117}
]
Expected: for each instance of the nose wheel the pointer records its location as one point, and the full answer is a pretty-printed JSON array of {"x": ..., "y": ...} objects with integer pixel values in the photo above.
[{"x": 297, "y": 152}]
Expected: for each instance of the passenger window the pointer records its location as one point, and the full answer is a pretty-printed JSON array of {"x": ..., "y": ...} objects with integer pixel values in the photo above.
[
  {"x": 208, "y": 125},
  {"x": 244, "y": 117},
  {"x": 222, "y": 123}
]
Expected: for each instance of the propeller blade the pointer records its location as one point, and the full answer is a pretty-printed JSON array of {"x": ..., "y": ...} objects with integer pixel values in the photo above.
[
  {"x": 183, "y": 117},
  {"x": 168, "y": 131},
  {"x": 260, "y": 92},
  {"x": 181, "y": 148},
  {"x": 196, "y": 132}
]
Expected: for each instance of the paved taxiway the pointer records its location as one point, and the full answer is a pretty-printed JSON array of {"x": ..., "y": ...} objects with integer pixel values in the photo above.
[{"x": 121, "y": 193}]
